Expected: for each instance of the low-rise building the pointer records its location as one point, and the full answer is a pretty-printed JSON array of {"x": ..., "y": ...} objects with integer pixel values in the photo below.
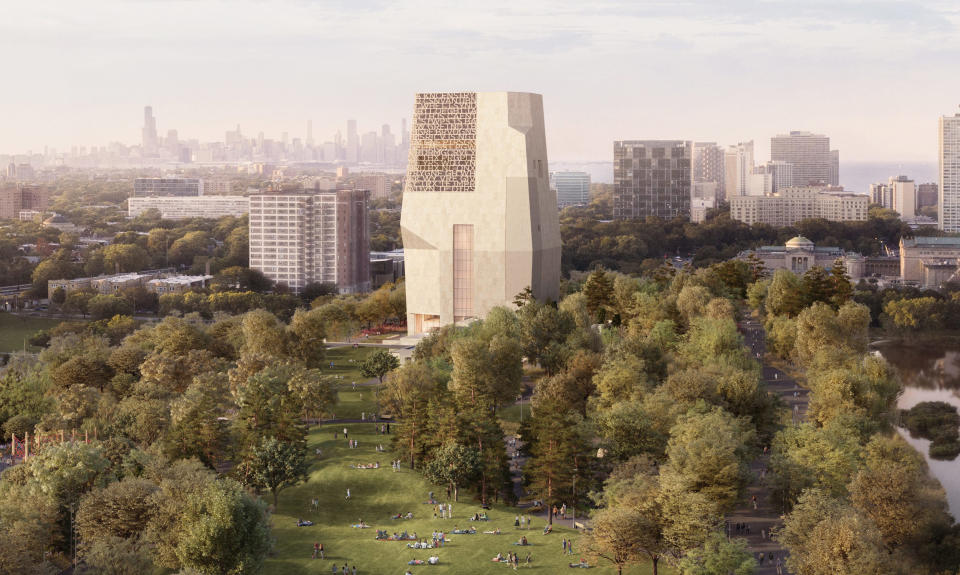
[
  {"x": 106, "y": 284},
  {"x": 115, "y": 283},
  {"x": 794, "y": 204},
  {"x": 186, "y": 207},
  {"x": 177, "y": 284},
  {"x": 925, "y": 251},
  {"x": 800, "y": 254}
]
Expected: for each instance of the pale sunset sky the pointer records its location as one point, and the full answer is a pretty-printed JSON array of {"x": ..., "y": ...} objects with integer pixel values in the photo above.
[{"x": 872, "y": 75}]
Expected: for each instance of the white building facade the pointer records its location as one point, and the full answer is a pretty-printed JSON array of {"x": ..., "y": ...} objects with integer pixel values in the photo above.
[
  {"x": 949, "y": 206},
  {"x": 573, "y": 188},
  {"x": 186, "y": 207}
]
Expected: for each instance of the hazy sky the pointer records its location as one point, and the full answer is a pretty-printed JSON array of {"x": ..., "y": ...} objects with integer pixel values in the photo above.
[{"x": 873, "y": 75}]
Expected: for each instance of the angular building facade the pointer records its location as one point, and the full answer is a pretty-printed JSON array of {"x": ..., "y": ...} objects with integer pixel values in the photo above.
[
  {"x": 652, "y": 178},
  {"x": 479, "y": 220}
]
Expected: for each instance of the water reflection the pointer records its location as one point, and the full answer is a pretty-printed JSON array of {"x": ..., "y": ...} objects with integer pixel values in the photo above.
[{"x": 930, "y": 372}]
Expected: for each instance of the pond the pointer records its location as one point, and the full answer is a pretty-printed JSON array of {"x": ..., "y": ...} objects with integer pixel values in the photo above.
[{"x": 930, "y": 371}]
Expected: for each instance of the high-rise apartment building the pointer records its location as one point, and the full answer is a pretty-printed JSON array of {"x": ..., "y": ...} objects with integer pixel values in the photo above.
[
  {"x": 781, "y": 175},
  {"x": 573, "y": 188},
  {"x": 303, "y": 238},
  {"x": 904, "y": 196},
  {"x": 738, "y": 166},
  {"x": 167, "y": 187},
  {"x": 949, "y": 205},
  {"x": 881, "y": 194},
  {"x": 379, "y": 185},
  {"x": 652, "y": 178},
  {"x": 17, "y": 197},
  {"x": 814, "y": 163},
  {"x": 479, "y": 220},
  {"x": 708, "y": 167},
  {"x": 927, "y": 195},
  {"x": 792, "y": 205}
]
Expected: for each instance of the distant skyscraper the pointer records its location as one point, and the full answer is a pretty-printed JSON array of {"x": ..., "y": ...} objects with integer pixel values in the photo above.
[
  {"x": 780, "y": 175},
  {"x": 904, "y": 197},
  {"x": 353, "y": 143},
  {"x": 652, "y": 178},
  {"x": 927, "y": 195},
  {"x": 479, "y": 220},
  {"x": 573, "y": 188},
  {"x": 881, "y": 194},
  {"x": 150, "y": 142},
  {"x": 708, "y": 166},
  {"x": 738, "y": 166},
  {"x": 309, "y": 133},
  {"x": 949, "y": 204},
  {"x": 814, "y": 163}
]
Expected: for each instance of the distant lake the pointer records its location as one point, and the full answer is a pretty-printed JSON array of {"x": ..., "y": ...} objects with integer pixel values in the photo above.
[
  {"x": 855, "y": 176},
  {"x": 930, "y": 371}
]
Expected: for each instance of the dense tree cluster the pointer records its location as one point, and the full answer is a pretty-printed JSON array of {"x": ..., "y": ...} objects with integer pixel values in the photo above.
[
  {"x": 635, "y": 246},
  {"x": 165, "y": 405},
  {"x": 860, "y": 498}
]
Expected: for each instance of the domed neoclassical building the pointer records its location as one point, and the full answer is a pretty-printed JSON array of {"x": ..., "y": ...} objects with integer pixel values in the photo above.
[{"x": 800, "y": 254}]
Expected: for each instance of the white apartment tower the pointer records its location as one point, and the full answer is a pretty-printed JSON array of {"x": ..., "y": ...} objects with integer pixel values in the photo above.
[
  {"x": 738, "y": 165},
  {"x": 303, "y": 238},
  {"x": 479, "y": 219},
  {"x": 949, "y": 206},
  {"x": 904, "y": 195}
]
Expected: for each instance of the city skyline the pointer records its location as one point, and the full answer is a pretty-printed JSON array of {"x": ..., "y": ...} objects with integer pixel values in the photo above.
[{"x": 819, "y": 61}]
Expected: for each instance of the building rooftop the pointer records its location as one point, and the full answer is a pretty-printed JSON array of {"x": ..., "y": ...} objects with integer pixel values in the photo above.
[
  {"x": 183, "y": 280},
  {"x": 799, "y": 242},
  {"x": 930, "y": 241}
]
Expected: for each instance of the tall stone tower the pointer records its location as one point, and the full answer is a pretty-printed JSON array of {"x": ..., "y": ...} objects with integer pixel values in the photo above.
[{"x": 479, "y": 221}]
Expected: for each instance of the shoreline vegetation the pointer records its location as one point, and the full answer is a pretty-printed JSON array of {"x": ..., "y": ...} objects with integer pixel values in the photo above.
[{"x": 938, "y": 422}]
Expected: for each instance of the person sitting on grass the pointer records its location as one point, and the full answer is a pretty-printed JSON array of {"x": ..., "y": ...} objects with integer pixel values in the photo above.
[
  {"x": 581, "y": 565},
  {"x": 548, "y": 529},
  {"x": 302, "y": 523},
  {"x": 433, "y": 560},
  {"x": 361, "y": 525},
  {"x": 499, "y": 558},
  {"x": 522, "y": 541}
]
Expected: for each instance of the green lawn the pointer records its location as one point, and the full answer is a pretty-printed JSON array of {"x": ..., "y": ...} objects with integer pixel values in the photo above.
[
  {"x": 376, "y": 494},
  {"x": 346, "y": 362},
  {"x": 15, "y": 328},
  {"x": 351, "y": 404}
]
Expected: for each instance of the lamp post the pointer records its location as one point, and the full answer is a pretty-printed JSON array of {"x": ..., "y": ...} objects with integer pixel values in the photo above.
[{"x": 573, "y": 522}]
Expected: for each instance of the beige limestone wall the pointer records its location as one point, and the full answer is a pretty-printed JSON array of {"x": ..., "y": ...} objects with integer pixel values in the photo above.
[{"x": 512, "y": 209}]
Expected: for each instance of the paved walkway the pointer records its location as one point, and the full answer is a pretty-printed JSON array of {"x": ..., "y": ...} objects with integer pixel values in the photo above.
[{"x": 767, "y": 513}]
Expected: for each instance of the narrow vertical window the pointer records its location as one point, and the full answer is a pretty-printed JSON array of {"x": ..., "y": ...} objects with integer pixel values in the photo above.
[{"x": 462, "y": 271}]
